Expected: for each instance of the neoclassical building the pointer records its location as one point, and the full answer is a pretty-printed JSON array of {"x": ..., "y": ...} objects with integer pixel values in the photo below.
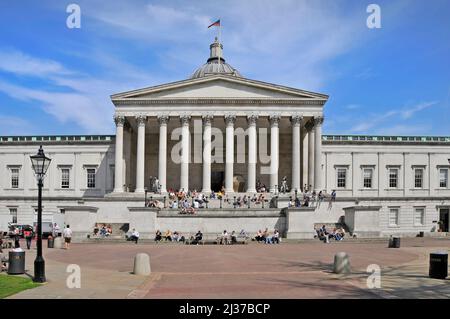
[{"x": 216, "y": 129}]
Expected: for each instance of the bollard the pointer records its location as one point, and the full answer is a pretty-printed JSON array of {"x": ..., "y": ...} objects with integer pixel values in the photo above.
[
  {"x": 141, "y": 265},
  {"x": 58, "y": 242},
  {"x": 341, "y": 263}
]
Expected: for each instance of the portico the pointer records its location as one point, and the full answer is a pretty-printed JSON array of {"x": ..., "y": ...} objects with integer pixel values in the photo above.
[{"x": 218, "y": 123}]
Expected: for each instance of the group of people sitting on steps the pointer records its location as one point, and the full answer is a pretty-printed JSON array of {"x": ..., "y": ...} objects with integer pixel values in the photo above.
[
  {"x": 176, "y": 236},
  {"x": 267, "y": 238},
  {"x": 323, "y": 234}
]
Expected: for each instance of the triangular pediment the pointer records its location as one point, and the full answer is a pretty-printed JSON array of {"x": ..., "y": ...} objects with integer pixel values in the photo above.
[{"x": 219, "y": 86}]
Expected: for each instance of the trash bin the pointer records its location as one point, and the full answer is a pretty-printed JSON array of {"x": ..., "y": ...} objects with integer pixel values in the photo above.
[
  {"x": 394, "y": 242},
  {"x": 16, "y": 263},
  {"x": 438, "y": 265},
  {"x": 50, "y": 242}
]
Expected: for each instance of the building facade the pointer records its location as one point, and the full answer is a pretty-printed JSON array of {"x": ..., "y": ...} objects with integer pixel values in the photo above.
[{"x": 217, "y": 129}]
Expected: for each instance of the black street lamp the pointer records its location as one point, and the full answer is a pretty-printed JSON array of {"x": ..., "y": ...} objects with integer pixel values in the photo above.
[{"x": 40, "y": 165}]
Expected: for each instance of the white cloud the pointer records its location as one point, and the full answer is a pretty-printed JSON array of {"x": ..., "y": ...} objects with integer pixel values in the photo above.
[
  {"x": 16, "y": 62},
  {"x": 381, "y": 122},
  {"x": 13, "y": 125}
]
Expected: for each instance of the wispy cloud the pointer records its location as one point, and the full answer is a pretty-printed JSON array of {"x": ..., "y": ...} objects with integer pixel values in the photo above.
[
  {"x": 17, "y": 62},
  {"x": 379, "y": 122}
]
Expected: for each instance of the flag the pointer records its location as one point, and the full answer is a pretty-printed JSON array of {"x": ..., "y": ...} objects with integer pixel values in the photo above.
[{"x": 215, "y": 24}]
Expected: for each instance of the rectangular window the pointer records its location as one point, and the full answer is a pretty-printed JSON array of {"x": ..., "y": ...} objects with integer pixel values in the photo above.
[
  {"x": 418, "y": 178},
  {"x": 419, "y": 216},
  {"x": 90, "y": 177},
  {"x": 14, "y": 178},
  {"x": 393, "y": 217},
  {"x": 393, "y": 177},
  {"x": 341, "y": 177},
  {"x": 367, "y": 177},
  {"x": 65, "y": 178},
  {"x": 13, "y": 213},
  {"x": 443, "y": 177}
]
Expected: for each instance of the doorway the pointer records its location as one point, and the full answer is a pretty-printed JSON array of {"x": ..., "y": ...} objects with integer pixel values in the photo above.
[
  {"x": 444, "y": 219},
  {"x": 217, "y": 179}
]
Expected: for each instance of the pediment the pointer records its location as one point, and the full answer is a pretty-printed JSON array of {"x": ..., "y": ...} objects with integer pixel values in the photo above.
[{"x": 218, "y": 86}]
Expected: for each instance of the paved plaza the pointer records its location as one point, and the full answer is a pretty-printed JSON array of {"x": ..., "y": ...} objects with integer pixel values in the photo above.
[{"x": 290, "y": 270}]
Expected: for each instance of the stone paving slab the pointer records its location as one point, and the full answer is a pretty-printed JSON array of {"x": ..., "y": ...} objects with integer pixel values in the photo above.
[{"x": 300, "y": 270}]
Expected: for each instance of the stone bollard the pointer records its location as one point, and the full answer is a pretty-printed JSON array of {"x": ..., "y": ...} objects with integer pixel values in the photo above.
[
  {"x": 341, "y": 263},
  {"x": 58, "y": 242},
  {"x": 142, "y": 265}
]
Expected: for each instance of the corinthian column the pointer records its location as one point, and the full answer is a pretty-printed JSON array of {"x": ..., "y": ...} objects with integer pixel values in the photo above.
[
  {"x": 296, "y": 121},
  {"x": 118, "y": 168},
  {"x": 229, "y": 149},
  {"x": 252, "y": 148},
  {"x": 207, "y": 121},
  {"x": 185, "y": 150},
  {"x": 274, "y": 151},
  {"x": 162, "y": 155},
  {"x": 310, "y": 129},
  {"x": 140, "y": 157},
  {"x": 318, "y": 153}
]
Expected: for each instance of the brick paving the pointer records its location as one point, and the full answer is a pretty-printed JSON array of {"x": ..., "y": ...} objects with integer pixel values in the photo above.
[{"x": 289, "y": 270}]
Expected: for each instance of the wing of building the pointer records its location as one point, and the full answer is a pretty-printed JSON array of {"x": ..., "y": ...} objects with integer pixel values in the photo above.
[{"x": 218, "y": 131}]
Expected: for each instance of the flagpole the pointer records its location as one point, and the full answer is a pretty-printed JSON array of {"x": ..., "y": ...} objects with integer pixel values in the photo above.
[{"x": 220, "y": 42}]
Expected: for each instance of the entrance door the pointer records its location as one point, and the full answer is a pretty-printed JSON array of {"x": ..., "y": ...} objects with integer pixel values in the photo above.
[
  {"x": 443, "y": 219},
  {"x": 217, "y": 180}
]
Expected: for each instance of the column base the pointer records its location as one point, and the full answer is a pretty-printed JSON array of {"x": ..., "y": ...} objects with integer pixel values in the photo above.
[
  {"x": 139, "y": 190},
  {"x": 251, "y": 190},
  {"x": 120, "y": 190},
  {"x": 206, "y": 191},
  {"x": 230, "y": 190}
]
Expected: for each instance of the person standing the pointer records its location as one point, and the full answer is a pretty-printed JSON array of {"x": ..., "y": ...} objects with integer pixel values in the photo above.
[
  {"x": 56, "y": 230},
  {"x": 28, "y": 234},
  {"x": 67, "y": 233},
  {"x": 16, "y": 237}
]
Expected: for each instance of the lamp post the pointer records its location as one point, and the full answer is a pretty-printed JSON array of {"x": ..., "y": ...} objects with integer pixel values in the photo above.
[{"x": 40, "y": 165}]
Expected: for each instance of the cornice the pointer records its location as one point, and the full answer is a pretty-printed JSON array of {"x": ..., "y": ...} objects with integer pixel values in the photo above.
[{"x": 221, "y": 101}]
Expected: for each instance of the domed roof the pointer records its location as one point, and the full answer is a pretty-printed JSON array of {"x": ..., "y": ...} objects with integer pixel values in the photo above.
[{"x": 213, "y": 66}]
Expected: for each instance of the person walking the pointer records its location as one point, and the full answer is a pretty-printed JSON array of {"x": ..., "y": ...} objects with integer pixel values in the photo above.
[
  {"x": 67, "y": 233},
  {"x": 28, "y": 234}
]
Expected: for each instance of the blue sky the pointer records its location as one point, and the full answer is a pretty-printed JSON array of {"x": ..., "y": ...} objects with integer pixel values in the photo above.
[{"x": 389, "y": 81}]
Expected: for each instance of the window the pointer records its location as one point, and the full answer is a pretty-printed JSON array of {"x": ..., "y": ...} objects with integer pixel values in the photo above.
[
  {"x": 341, "y": 177},
  {"x": 367, "y": 177},
  {"x": 13, "y": 213},
  {"x": 65, "y": 178},
  {"x": 393, "y": 217},
  {"x": 419, "y": 216},
  {"x": 90, "y": 177},
  {"x": 418, "y": 178},
  {"x": 443, "y": 177},
  {"x": 393, "y": 177},
  {"x": 14, "y": 178}
]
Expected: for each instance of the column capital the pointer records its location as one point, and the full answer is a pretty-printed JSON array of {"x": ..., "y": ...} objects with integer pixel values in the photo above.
[
  {"x": 163, "y": 119},
  {"x": 119, "y": 120},
  {"x": 274, "y": 119},
  {"x": 207, "y": 119},
  {"x": 296, "y": 119},
  {"x": 251, "y": 119},
  {"x": 185, "y": 119},
  {"x": 309, "y": 125},
  {"x": 230, "y": 119},
  {"x": 141, "y": 119},
  {"x": 318, "y": 120}
]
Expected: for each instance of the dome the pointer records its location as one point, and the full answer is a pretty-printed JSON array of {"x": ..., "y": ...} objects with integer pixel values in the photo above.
[{"x": 213, "y": 66}]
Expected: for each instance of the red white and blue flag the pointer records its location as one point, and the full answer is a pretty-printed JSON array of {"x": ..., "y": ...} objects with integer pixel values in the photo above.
[{"x": 215, "y": 24}]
